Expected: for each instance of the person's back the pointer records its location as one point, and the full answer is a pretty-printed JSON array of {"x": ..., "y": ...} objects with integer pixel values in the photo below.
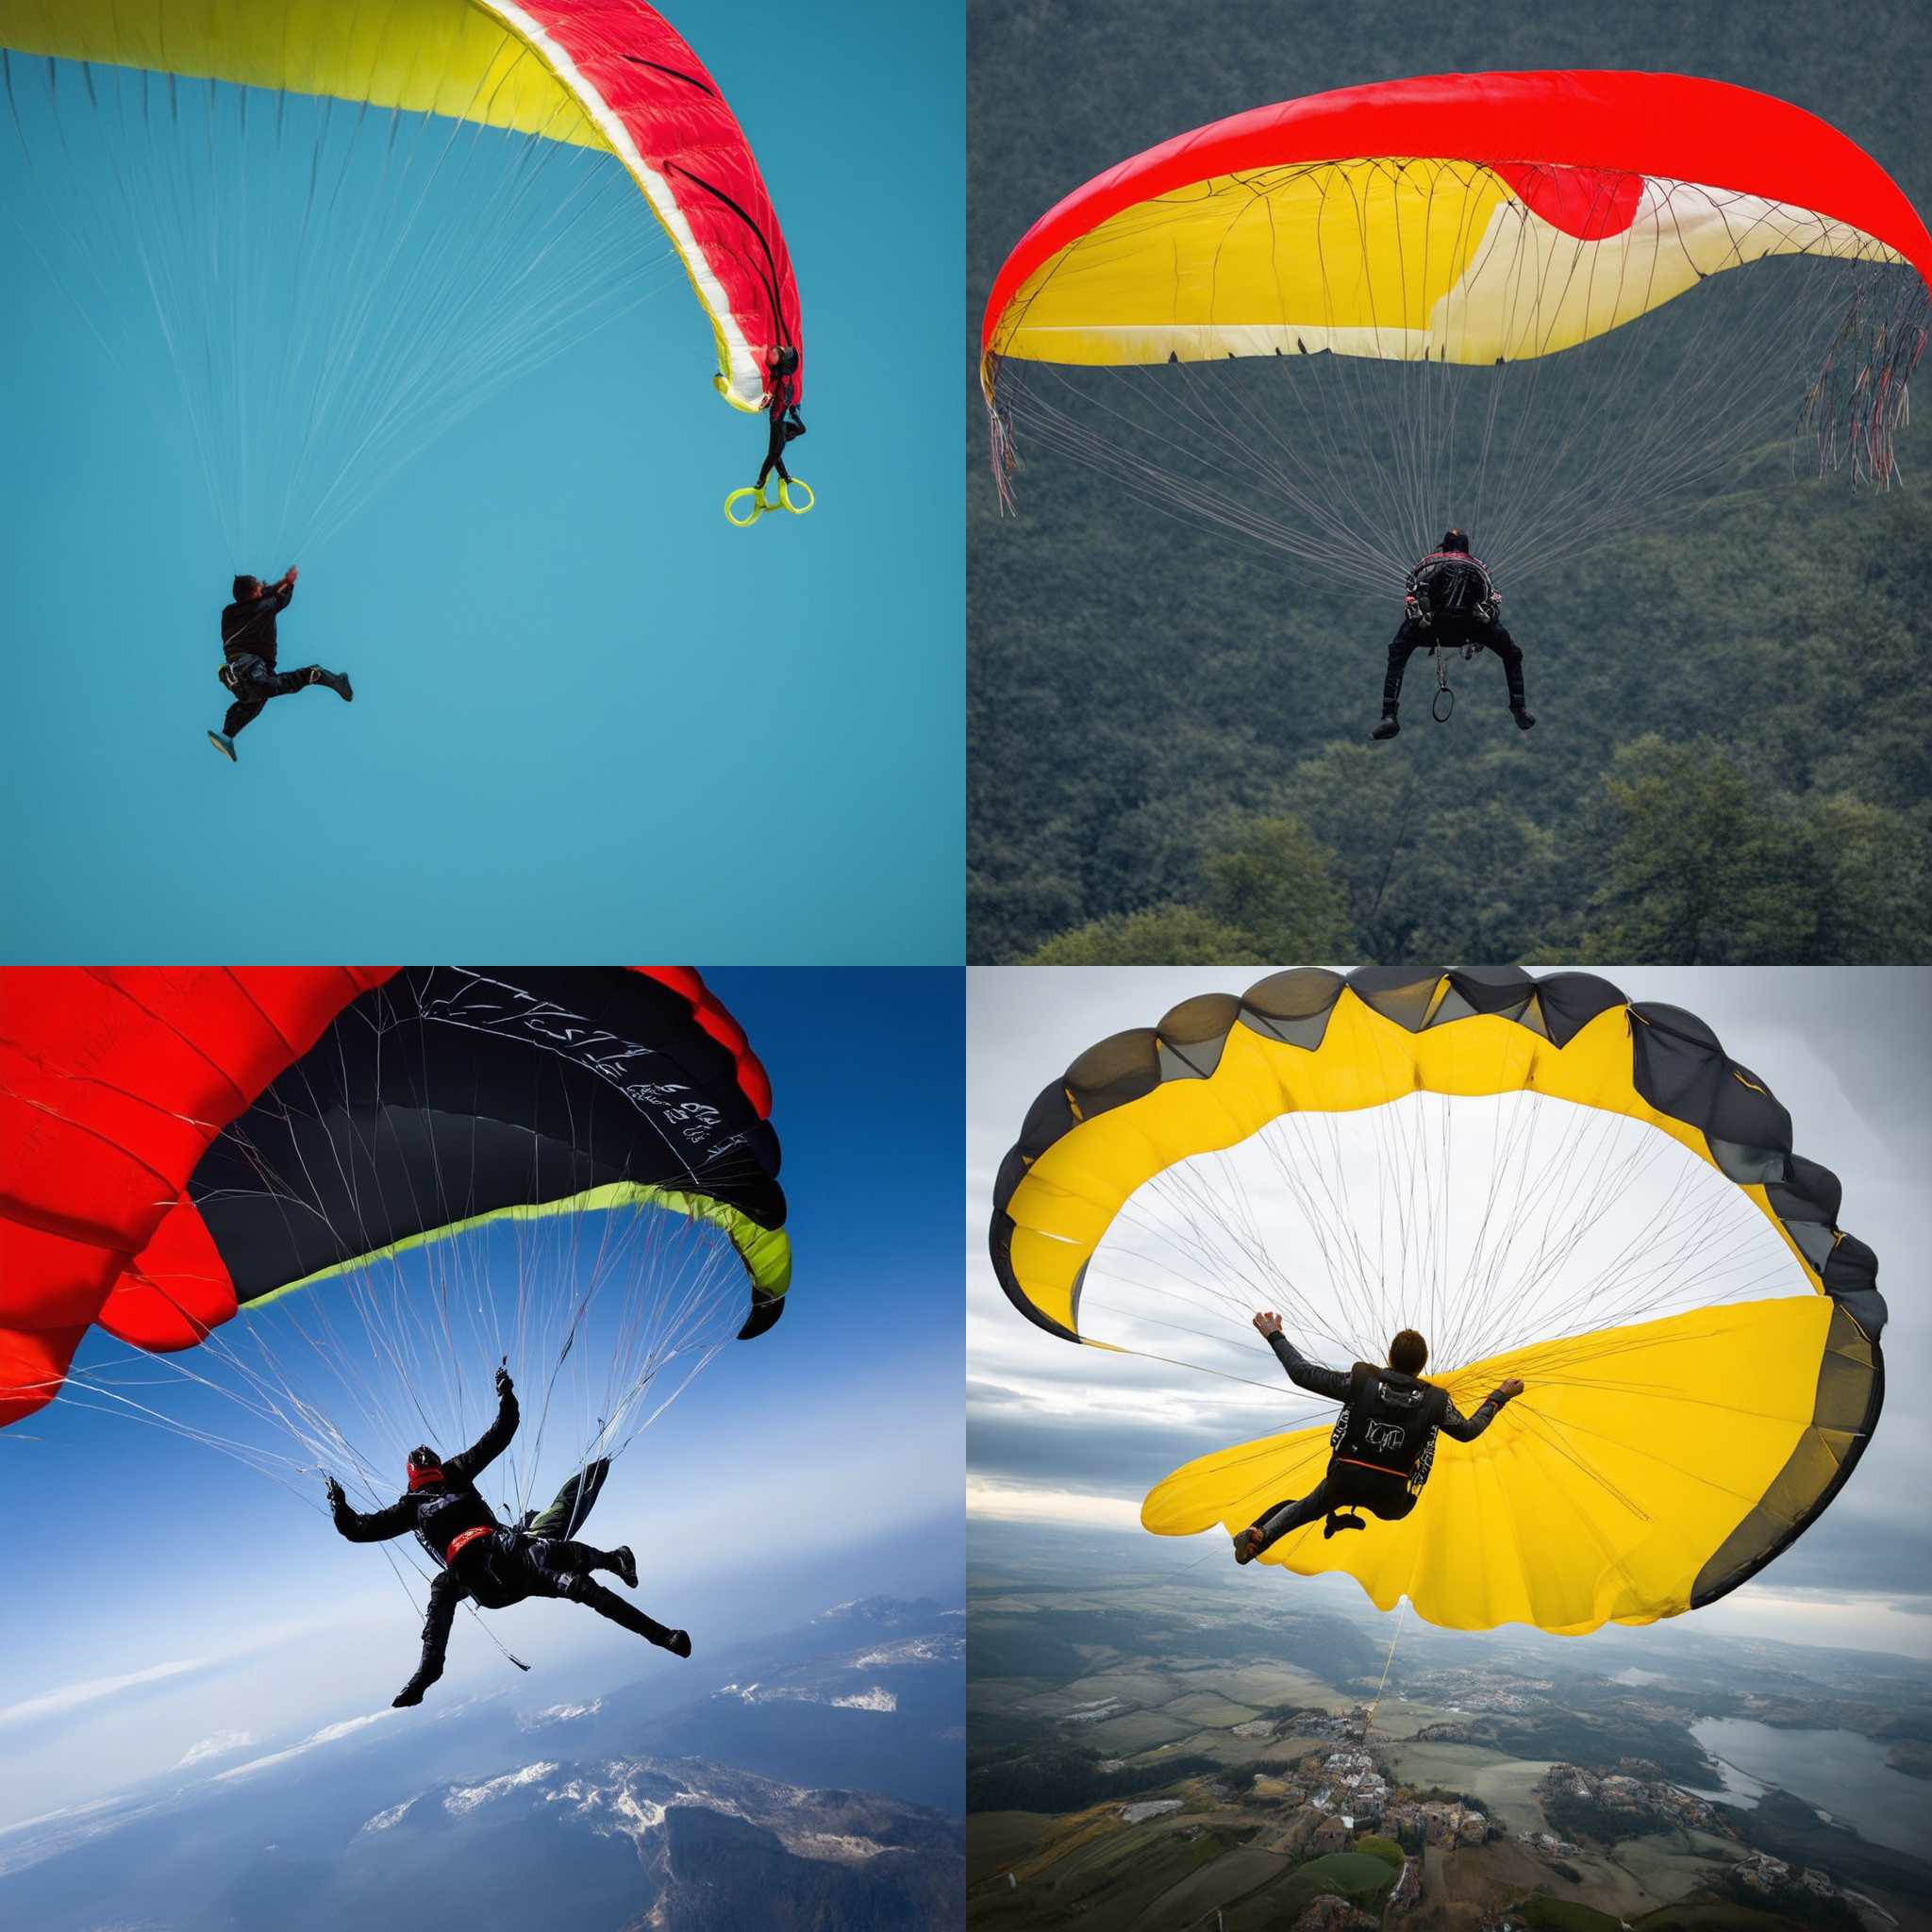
[
  {"x": 1388, "y": 1423},
  {"x": 248, "y": 624},
  {"x": 1451, "y": 600},
  {"x": 1383, "y": 1443},
  {"x": 1454, "y": 587}
]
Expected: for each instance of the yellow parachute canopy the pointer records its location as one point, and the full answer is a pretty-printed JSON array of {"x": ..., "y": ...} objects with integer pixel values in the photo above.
[{"x": 1553, "y": 1183}]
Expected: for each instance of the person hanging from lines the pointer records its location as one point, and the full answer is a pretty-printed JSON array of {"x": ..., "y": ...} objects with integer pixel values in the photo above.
[
  {"x": 1384, "y": 1441},
  {"x": 248, "y": 654},
  {"x": 479, "y": 1559},
  {"x": 1451, "y": 602}
]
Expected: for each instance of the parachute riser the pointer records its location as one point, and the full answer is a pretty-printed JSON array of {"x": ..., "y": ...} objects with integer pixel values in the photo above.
[{"x": 1860, "y": 397}]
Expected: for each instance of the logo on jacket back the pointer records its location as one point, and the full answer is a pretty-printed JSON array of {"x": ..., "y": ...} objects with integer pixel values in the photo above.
[{"x": 1385, "y": 1436}]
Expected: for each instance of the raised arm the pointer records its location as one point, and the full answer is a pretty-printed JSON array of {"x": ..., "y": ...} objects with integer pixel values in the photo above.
[
  {"x": 1333, "y": 1383},
  {"x": 467, "y": 1467},
  {"x": 376, "y": 1527},
  {"x": 1466, "y": 1428}
]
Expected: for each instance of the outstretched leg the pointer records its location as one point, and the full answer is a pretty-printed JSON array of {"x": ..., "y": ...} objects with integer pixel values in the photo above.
[
  {"x": 1402, "y": 647},
  {"x": 581, "y": 1590},
  {"x": 255, "y": 688},
  {"x": 338, "y": 681},
  {"x": 1274, "y": 1523},
  {"x": 1506, "y": 648},
  {"x": 558, "y": 1559},
  {"x": 446, "y": 1593},
  {"x": 242, "y": 711}
]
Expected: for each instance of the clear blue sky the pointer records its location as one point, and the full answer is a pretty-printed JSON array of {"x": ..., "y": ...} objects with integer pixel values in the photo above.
[
  {"x": 591, "y": 720},
  {"x": 760, "y": 1498}
]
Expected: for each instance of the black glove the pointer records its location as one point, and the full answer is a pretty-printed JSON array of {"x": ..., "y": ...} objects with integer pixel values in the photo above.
[
  {"x": 504, "y": 1384},
  {"x": 336, "y": 1497}
]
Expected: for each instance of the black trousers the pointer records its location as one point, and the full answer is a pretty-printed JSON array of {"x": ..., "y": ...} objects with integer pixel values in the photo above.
[
  {"x": 1452, "y": 636},
  {"x": 255, "y": 684},
  {"x": 1386, "y": 1496},
  {"x": 510, "y": 1565}
]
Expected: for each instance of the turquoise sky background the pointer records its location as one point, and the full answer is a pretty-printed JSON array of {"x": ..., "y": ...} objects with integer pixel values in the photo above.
[{"x": 591, "y": 720}]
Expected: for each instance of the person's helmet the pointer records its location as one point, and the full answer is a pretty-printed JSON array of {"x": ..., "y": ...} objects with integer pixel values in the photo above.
[
  {"x": 247, "y": 589},
  {"x": 1408, "y": 1354},
  {"x": 425, "y": 1467},
  {"x": 1455, "y": 540}
]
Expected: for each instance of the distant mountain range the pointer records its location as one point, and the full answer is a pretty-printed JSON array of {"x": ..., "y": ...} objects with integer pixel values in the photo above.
[{"x": 813, "y": 1780}]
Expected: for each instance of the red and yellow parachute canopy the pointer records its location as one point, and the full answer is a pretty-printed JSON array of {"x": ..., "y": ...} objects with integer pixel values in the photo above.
[
  {"x": 613, "y": 75},
  {"x": 354, "y": 224},
  {"x": 1453, "y": 221}
]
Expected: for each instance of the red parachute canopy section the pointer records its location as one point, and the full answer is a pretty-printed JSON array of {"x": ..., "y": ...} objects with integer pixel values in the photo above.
[
  {"x": 664, "y": 117},
  {"x": 116, "y": 1083}
]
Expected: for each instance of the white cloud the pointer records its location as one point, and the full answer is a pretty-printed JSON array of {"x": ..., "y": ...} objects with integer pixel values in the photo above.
[
  {"x": 92, "y": 1690},
  {"x": 1023, "y": 1502},
  {"x": 328, "y": 1734},
  {"x": 218, "y": 1746}
]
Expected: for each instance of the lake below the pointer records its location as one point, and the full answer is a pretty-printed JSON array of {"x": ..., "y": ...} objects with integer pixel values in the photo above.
[{"x": 1838, "y": 1772}]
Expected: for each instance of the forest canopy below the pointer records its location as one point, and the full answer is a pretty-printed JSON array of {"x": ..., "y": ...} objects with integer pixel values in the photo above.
[{"x": 1169, "y": 729}]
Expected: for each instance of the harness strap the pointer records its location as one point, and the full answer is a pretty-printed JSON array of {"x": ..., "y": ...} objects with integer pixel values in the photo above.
[{"x": 462, "y": 1542}]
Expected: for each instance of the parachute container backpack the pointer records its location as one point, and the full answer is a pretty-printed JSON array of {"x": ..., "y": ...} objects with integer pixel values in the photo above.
[
  {"x": 332, "y": 1201},
  {"x": 1332, "y": 325},
  {"x": 1550, "y": 1182},
  {"x": 356, "y": 223}
]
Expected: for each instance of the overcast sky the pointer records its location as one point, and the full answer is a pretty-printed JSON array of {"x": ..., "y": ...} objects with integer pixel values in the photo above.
[{"x": 1059, "y": 1433}]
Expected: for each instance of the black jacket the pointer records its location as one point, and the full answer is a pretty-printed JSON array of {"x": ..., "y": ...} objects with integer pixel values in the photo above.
[
  {"x": 248, "y": 630},
  {"x": 1388, "y": 1421},
  {"x": 441, "y": 1512}
]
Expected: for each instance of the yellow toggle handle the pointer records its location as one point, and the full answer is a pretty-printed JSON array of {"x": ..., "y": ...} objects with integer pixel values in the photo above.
[{"x": 790, "y": 492}]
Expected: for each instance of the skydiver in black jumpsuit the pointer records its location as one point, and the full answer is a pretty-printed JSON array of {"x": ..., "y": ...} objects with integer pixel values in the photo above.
[
  {"x": 478, "y": 1558},
  {"x": 1384, "y": 1441},
  {"x": 248, "y": 658},
  {"x": 1450, "y": 601}
]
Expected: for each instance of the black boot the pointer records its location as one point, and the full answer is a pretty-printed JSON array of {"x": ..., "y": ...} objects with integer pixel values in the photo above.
[
  {"x": 623, "y": 1564},
  {"x": 1523, "y": 720},
  {"x": 338, "y": 681},
  {"x": 1387, "y": 727},
  {"x": 412, "y": 1691}
]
